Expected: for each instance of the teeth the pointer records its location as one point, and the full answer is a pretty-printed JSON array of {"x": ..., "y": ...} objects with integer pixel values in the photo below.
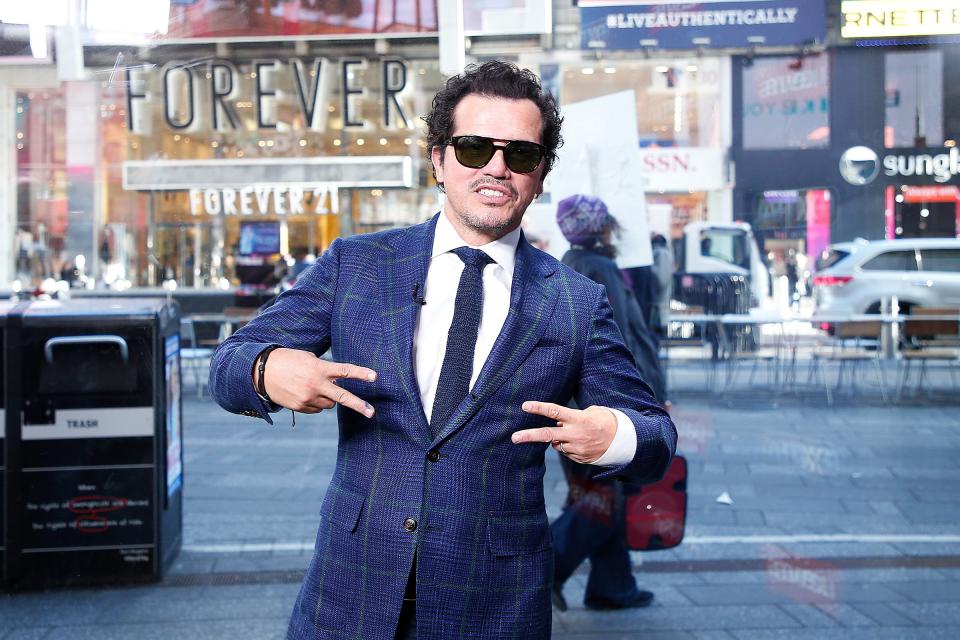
[{"x": 490, "y": 192}]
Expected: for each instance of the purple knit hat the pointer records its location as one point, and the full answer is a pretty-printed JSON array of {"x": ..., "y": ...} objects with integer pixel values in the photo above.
[{"x": 583, "y": 218}]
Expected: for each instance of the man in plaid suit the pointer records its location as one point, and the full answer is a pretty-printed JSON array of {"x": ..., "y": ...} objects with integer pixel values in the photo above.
[{"x": 456, "y": 346}]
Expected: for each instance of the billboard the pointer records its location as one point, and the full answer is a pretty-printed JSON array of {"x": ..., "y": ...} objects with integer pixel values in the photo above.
[
  {"x": 604, "y": 162},
  {"x": 276, "y": 19},
  {"x": 897, "y": 19},
  {"x": 786, "y": 103},
  {"x": 712, "y": 24},
  {"x": 273, "y": 19}
]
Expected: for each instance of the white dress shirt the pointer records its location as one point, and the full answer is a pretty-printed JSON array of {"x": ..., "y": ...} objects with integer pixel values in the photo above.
[{"x": 435, "y": 317}]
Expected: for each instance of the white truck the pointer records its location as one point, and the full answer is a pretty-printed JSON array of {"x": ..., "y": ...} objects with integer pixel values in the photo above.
[{"x": 725, "y": 248}]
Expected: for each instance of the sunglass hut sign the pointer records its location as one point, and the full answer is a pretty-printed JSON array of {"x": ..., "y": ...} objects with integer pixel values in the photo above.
[{"x": 215, "y": 95}]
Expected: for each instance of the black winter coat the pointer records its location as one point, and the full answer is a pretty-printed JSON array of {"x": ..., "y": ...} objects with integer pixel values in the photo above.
[{"x": 626, "y": 313}]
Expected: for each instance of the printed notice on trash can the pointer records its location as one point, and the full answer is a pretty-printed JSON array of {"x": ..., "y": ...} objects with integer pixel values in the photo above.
[
  {"x": 174, "y": 454},
  {"x": 108, "y": 507}
]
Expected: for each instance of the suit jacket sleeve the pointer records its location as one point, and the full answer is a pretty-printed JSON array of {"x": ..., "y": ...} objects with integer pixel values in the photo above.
[
  {"x": 299, "y": 319},
  {"x": 609, "y": 378}
]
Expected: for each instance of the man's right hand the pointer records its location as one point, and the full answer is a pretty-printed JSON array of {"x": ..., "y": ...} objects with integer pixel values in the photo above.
[{"x": 301, "y": 381}]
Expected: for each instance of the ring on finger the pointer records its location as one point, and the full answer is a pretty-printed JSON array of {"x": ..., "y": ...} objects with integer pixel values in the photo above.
[{"x": 561, "y": 449}]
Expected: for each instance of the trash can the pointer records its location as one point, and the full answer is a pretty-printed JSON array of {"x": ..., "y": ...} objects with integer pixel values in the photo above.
[
  {"x": 94, "y": 465},
  {"x": 5, "y": 307}
]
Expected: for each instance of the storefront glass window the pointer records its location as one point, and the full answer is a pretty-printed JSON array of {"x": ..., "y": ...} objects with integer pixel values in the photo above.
[
  {"x": 43, "y": 247},
  {"x": 914, "y": 99},
  {"x": 678, "y": 209},
  {"x": 678, "y": 100},
  {"x": 922, "y": 211},
  {"x": 786, "y": 102},
  {"x": 793, "y": 228},
  {"x": 194, "y": 236},
  {"x": 683, "y": 131}
]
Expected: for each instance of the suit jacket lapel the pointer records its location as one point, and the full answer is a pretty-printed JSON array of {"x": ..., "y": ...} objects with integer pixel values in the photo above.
[
  {"x": 532, "y": 299},
  {"x": 400, "y": 271}
]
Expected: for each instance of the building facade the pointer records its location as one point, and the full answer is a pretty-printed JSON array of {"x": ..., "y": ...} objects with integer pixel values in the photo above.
[
  {"x": 238, "y": 141},
  {"x": 202, "y": 165},
  {"x": 854, "y": 141}
]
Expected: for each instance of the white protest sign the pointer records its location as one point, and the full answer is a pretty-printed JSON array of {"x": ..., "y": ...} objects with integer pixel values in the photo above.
[{"x": 600, "y": 157}]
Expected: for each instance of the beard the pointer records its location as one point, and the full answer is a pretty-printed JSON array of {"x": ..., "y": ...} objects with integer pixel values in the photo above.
[
  {"x": 484, "y": 225},
  {"x": 489, "y": 225}
]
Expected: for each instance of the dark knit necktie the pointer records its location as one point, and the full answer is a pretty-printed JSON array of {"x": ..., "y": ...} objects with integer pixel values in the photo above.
[{"x": 457, "y": 368}]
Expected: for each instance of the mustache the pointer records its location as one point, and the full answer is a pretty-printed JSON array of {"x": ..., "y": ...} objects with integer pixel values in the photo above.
[{"x": 502, "y": 184}]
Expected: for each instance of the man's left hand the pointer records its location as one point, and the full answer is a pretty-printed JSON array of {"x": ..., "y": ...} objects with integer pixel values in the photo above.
[{"x": 583, "y": 435}]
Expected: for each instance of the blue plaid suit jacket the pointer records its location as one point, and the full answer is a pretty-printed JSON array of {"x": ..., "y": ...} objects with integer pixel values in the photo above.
[{"x": 484, "y": 563}]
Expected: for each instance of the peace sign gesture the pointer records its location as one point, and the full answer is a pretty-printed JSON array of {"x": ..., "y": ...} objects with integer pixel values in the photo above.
[
  {"x": 583, "y": 435},
  {"x": 301, "y": 381}
]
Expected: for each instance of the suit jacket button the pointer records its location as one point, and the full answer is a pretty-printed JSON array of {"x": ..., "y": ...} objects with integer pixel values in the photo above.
[
  {"x": 433, "y": 455},
  {"x": 410, "y": 525}
]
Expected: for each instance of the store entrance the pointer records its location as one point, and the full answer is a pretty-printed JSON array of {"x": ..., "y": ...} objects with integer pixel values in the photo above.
[
  {"x": 184, "y": 255},
  {"x": 787, "y": 257},
  {"x": 793, "y": 227},
  {"x": 927, "y": 220},
  {"x": 924, "y": 211}
]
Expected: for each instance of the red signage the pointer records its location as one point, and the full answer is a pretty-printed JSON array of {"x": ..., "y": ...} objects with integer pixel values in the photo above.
[{"x": 931, "y": 194}]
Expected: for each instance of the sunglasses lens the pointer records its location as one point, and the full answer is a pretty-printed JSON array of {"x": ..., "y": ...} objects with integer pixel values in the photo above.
[
  {"x": 473, "y": 151},
  {"x": 522, "y": 157}
]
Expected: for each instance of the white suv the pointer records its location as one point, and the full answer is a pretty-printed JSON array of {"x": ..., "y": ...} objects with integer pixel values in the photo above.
[{"x": 855, "y": 276}]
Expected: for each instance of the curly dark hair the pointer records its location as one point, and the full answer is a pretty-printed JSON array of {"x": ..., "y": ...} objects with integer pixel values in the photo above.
[{"x": 496, "y": 79}]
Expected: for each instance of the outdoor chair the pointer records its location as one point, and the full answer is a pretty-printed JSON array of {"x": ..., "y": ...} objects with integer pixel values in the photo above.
[
  {"x": 800, "y": 339},
  {"x": 688, "y": 341},
  {"x": 856, "y": 347},
  {"x": 929, "y": 335},
  {"x": 234, "y": 318},
  {"x": 758, "y": 345},
  {"x": 193, "y": 357}
]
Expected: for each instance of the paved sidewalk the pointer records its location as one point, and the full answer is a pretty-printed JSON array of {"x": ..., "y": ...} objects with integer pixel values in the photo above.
[{"x": 844, "y": 523}]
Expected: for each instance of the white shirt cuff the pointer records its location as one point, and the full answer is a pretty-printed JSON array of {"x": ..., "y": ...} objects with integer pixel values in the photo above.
[{"x": 624, "y": 445}]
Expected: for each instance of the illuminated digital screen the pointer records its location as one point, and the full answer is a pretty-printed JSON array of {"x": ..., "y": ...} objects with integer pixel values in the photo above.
[{"x": 899, "y": 18}]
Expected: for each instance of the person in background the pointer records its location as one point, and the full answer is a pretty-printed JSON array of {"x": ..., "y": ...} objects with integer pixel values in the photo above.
[
  {"x": 301, "y": 262},
  {"x": 588, "y": 526},
  {"x": 69, "y": 272},
  {"x": 791, "y": 271},
  {"x": 25, "y": 249},
  {"x": 591, "y": 230},
  {"x": 663, "y": 275},
  {"x": 662, "y": 270},
  {"x": 642, "y": 283}
]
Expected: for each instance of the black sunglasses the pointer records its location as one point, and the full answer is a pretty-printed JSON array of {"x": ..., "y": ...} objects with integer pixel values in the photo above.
[{"x": 476, "y": 151}]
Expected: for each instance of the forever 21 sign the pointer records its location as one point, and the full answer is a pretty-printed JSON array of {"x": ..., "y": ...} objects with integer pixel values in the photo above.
[{"x": 225, "y": 86}]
